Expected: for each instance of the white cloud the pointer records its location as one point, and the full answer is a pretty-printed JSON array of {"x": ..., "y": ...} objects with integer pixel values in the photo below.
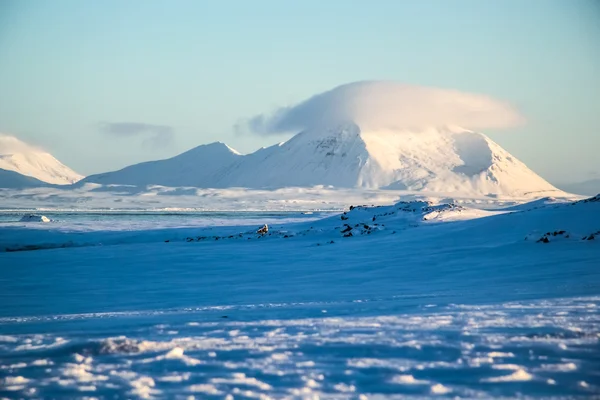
[
  {"x": 156, "y": 136},
  {"x": 387, "y": 105}
]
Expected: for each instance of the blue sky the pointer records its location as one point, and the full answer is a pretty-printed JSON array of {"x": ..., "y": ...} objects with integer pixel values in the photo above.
[{"x": 187, "y": 71}]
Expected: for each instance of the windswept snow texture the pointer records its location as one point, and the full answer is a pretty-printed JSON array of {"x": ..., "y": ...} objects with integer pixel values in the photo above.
[
  {"x": 26, "y": 160},
  {"x": 415, "y": 299},
  {"x": 448, "y": 160}
]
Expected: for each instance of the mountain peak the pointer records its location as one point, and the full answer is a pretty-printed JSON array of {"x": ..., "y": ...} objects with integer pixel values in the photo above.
[
  {"x": 447, "y": 159},
  {"x": 25, "y": 159}
]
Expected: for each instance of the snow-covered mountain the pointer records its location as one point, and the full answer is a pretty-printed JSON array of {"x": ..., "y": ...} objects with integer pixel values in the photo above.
[
  {"x": 443, "y": 160},
  {"x": 196, "y": 167},
  {"x": 14, "y": 180},
  {"x": 376, "y": 135},
  {"x": 28, "y": 161}
]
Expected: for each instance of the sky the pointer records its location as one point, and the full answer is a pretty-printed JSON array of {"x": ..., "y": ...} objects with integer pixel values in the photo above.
[{"x": 105, "y": 84}]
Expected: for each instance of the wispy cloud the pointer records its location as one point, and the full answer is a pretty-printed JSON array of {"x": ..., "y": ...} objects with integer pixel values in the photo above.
[
  {"x": 154, "y": 135},
  {"x": 386, "y": 105}
]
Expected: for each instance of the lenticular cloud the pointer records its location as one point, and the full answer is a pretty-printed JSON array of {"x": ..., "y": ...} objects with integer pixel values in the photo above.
[{"x": 388, "y": 105}]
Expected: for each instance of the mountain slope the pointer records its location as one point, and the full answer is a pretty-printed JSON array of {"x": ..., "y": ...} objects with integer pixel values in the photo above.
[
  {"x": 24, "y": 159},
  {"x": 448, "y": 160},
  {"x": 14, "y": 180},
  {"x": 195, "y": 167}
]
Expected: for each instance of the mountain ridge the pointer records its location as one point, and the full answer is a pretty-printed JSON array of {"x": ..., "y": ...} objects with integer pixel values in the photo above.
[{"x": 448, "y": 159}]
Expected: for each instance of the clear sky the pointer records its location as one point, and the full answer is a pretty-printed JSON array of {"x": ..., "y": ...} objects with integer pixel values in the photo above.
[{"x": 182, "y": 73}]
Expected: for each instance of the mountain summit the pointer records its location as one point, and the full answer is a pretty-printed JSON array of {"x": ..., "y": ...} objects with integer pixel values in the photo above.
[{"x": 31, "y": 162}]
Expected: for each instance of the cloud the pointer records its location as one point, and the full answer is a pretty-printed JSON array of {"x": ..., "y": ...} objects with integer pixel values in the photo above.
[
  {"x": 386, "y": 105},
  {"x": 154, "y": 135}
]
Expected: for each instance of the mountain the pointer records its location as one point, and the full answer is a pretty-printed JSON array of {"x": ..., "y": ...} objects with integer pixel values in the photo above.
[
  {"x": 587, "y": 188},
  {"x": 28, "y": 161},
  {"x": 14, "y": 180},
  {"x": 442, "y": 160},
  {"x": 195, "y": 167}
]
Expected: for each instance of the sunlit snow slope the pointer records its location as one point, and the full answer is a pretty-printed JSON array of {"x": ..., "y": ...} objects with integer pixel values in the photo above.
[
  {"x": 448, "y": 160},
  {"x": 24, "y": 159}
]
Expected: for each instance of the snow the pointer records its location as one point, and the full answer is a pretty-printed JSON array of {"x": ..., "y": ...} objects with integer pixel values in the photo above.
[
  {"x": 518, "y": 376},
  {"x": 435, "y": 160},
  {"x": 194, "y": 168},
  {"x": 14, "y": 180},
  {"x": 29, "y": 161},
  {"x": 119, "y": 198},
  {"x": 427, "y": 297},
  {"x": 369, "y": 135}
]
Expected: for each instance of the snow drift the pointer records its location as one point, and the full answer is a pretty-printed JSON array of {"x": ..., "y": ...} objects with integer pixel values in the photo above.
[{"x": 26, "y": 160}]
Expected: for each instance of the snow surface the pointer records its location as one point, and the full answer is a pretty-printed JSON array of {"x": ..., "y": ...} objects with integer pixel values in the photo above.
[
  {"x": 415, "y": 299},
  {"x": 14, "y": 180},
  {"x": 96, "y": 197},
  {"x": 29, "y": 161}
]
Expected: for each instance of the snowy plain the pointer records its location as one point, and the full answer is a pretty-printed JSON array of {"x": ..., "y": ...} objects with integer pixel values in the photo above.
[{"x": 423, "y": 297}]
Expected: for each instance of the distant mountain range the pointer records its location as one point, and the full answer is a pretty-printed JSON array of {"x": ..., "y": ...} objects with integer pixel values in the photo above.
[{"x": 447, "y": 160}]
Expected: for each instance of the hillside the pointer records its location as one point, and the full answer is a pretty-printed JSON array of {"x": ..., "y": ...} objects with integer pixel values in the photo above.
[
  {"x": 444, "y": 160},
  {"x": 29, "y": 161}
]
